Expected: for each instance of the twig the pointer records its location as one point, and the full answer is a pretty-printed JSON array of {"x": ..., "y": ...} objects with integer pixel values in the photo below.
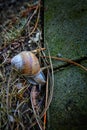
[
  {"x": 38, "y": 50},
  {"x": 36, "y": 22},
  {"x": 66, "y": 60},
  {"x": 35, "y": 113},
  {"x": 46, "y": 102},
  {"x": 51, "y": 76},
  {"x": 29, "y": 19}
]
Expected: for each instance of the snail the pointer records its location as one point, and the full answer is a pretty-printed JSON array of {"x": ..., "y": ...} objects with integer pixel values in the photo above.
[{"x": 28, "y": 65}]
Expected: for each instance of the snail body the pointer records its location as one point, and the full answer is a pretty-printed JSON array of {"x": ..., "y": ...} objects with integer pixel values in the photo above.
[{"x": 27, "y": 64}]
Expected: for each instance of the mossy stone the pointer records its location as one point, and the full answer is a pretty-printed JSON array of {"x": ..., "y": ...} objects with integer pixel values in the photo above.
[{"x": 65, "y": 31}]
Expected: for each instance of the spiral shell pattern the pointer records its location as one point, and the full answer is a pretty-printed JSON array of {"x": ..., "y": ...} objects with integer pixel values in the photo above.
[{"x": 26, "y": 63}]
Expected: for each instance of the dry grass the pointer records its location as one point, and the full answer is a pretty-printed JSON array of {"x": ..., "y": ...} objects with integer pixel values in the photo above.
[{"x": 19, "y": 110}]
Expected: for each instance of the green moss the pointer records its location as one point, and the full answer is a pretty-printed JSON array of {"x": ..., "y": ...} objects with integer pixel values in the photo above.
[
  {"x": 65, "y": 28},
  {"x": 50, "y": 10},
  {"x": 69, "y": 101},
  {"x": 66, "y": 34}
]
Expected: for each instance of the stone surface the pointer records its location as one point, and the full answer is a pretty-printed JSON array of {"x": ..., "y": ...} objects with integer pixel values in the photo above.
[{"x": 65, "y": 30}]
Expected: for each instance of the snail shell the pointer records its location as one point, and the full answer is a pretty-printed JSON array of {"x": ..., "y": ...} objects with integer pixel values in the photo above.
[{"x": 28, "y": 65}]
